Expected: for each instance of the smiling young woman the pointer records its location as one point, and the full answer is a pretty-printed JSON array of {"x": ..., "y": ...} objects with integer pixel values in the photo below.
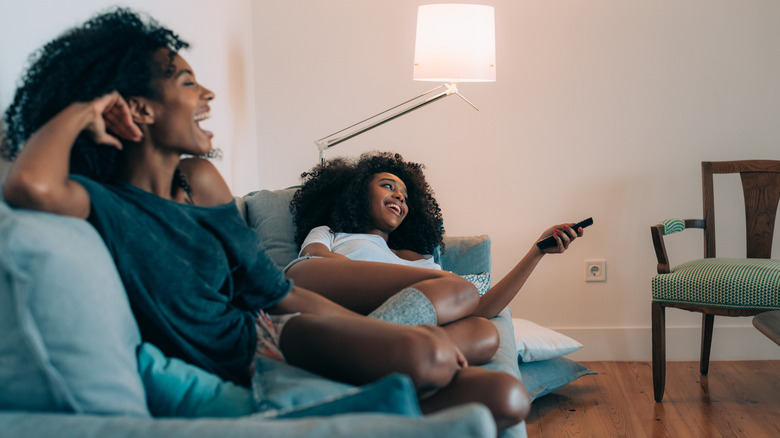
[{"x": 367, "y": 228}]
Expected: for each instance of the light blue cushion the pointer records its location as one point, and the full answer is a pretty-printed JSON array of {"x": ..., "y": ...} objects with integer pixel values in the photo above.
[
  {"x": 464, "y": 254},
  {"x": 175, "y": 388},
  {"x": 505, "y": 360},
  {"x": 68, "y": 336},
  {"x": 268, "y": 214},
  {"x": 543, "y": 377}
]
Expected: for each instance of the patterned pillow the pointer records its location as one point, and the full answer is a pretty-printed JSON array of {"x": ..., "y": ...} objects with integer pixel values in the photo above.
[{"x": 481, "y": 281}]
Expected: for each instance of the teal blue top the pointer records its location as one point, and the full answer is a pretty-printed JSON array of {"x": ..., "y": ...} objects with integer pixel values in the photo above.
[{"x": 195, "y": 276}]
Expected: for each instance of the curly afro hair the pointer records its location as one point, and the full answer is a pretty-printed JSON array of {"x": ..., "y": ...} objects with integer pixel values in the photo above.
[
  {"x": 336, "y": 194},
  {"x": 110, "y": 52}
]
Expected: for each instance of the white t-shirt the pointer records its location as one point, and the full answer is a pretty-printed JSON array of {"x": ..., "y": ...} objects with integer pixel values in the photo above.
[{"x": 366, "y": 247}]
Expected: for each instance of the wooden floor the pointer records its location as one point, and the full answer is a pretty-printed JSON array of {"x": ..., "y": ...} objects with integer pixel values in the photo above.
[{"x": 736, "y": 399}]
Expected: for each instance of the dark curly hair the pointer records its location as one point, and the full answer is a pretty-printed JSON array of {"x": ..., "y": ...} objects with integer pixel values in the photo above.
[
  {"x": 112, "y": 51},
  {"x": 336, "y": 194}
]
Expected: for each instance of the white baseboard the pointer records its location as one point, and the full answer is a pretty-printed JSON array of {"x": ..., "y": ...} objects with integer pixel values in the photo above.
[{"x": 682, "y": 343}]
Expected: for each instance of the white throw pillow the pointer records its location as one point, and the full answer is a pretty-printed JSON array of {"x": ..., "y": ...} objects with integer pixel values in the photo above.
[{"x": 535, "y": 343}]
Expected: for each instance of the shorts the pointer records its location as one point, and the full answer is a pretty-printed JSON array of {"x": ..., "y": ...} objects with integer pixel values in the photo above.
[
  {"x": 298, "y": 260},
  {"x": 269, "y": 331}
]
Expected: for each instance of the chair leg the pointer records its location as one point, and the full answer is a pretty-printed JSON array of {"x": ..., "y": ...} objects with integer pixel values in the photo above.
[
  {"x": 707, "y": 322},
  {"x": 659, "y": 350}
]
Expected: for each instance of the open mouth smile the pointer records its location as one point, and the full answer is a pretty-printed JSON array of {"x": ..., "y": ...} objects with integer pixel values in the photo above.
[
  {"x": 199, "y": 118},
  {"x": 395, "y": 208}
]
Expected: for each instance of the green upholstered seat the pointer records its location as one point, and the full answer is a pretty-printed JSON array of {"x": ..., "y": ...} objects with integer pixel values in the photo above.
[{"x": 721, "y": 282}]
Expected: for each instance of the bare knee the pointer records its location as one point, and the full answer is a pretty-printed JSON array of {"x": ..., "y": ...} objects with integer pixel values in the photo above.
[
  {"x": 465, "y": 291},
  {"x": 508, "y": 401},
  {"x": 432, "y": 358},
  {"x": 486, "y": 341},
  {"x": 452, "y": 296}
]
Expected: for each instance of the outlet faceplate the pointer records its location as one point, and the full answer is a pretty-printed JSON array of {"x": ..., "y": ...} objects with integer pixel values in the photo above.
[{"x": 595, "y": 270}]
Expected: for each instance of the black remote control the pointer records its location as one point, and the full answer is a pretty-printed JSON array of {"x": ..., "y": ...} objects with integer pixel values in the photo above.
[{"x": 549, "y": 242}]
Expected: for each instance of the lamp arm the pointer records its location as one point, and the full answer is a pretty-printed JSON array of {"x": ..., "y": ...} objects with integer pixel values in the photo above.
[{"x": 330, "y": 141}]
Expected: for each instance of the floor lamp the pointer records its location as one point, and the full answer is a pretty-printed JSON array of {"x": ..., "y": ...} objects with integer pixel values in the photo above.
[{"x": 454, "y": 43}]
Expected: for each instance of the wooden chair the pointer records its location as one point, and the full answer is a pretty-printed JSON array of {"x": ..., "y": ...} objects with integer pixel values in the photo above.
[{"x": 719, "y": 286}]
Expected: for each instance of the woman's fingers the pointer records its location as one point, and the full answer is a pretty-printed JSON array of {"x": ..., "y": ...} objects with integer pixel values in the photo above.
[
  {"x": 563, "y": 234},
  {"x": 112, "y": 116},
  {"x": 119, "y": 120}
]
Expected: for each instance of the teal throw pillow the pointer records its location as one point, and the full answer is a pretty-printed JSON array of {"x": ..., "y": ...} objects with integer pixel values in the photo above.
[
  {"x": 543, "y": 377},
  {"x": 175, "y": 388}
]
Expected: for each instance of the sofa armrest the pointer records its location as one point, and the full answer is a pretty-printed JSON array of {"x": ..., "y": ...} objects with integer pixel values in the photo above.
[
  {"x": 472, "y": 420},
  {"x": 665, "y": 227},
  {"x": 505, "y": 360}
]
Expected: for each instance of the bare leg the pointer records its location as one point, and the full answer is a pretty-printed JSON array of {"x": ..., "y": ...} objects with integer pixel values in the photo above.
[
  {"x": 504, "y": 395},
  {"x": 477, "y": 338},
  {"x": 360, "y": 350},
  {"x": 364, "y": 286}
]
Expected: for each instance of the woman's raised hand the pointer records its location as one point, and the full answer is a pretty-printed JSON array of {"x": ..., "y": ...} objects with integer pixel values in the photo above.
[
  {"x": 112, "y": 114},
  {"x": 563, "y": 234}
]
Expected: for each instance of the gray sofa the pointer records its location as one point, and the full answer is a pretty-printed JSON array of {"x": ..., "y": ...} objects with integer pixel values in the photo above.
[{"x": 72, "y": 362}]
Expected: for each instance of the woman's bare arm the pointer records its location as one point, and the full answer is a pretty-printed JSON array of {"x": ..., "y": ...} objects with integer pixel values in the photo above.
[
  {"x": 500, "y": 295},
  {"x": 38, "y": 178}
]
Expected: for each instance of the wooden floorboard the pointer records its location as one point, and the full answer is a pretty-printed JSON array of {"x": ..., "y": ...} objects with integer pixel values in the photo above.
[{"x": 736, "y": 399}]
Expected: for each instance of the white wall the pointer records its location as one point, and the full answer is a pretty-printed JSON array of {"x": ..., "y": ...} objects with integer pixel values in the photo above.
[
  {"x": 602, "y": 108},
  {"x": 220, "y": 35}
]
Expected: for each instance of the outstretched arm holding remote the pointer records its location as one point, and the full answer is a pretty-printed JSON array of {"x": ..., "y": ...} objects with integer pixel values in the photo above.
[{"x": 554, "y": 240}]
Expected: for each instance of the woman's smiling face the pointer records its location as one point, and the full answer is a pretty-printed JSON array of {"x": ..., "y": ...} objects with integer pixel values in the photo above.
[
  {"x": 179, "y": 106},
  {"x": 387, "y": 200}
]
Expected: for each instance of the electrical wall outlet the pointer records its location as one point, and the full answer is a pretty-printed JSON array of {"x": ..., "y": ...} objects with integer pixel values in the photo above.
[{"x": 595, "y": 270}]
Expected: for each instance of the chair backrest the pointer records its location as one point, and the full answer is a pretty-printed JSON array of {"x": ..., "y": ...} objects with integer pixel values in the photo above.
[{"x": 761, "y": 187}]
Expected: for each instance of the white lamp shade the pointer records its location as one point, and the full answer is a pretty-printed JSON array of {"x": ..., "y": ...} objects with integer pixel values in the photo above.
[{"x": 455, "y": 43}]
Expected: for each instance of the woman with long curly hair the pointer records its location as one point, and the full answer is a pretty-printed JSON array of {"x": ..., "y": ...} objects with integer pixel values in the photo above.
[
  {"x": 97, "y": 130},
  {"x": 367, "y": 227}
]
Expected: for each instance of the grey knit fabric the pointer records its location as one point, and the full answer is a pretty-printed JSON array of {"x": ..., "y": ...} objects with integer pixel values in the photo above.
[{"x": 408, "y": 307}]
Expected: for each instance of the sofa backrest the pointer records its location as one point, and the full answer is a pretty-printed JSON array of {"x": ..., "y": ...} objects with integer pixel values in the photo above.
[{"x": 268, "y": 213}]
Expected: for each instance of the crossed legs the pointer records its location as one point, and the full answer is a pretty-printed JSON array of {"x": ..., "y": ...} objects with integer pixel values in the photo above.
[
  {"x": 364, "y": 286},
  {"x": 359, "y": 350}
]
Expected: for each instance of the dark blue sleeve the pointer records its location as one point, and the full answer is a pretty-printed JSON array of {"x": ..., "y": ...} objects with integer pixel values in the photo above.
[
  {"x": 266, "y": 285},
  {"x": 259, "y": 283}
]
